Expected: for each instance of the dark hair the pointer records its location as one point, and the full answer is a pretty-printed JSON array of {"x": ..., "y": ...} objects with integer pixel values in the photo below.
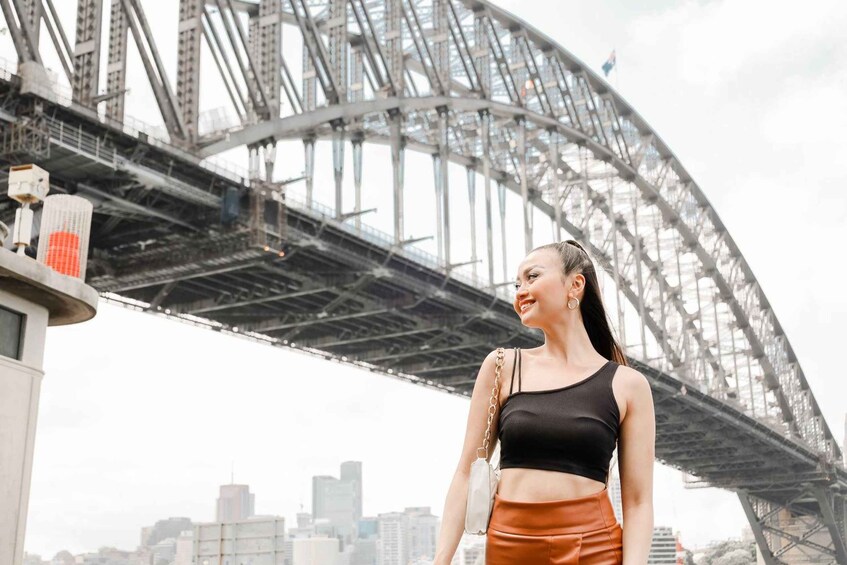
[{"x": 576, "y": 260}]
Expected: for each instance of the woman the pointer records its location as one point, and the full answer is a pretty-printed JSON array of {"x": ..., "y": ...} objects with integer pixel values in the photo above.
[{"x": 563, "y": 407}]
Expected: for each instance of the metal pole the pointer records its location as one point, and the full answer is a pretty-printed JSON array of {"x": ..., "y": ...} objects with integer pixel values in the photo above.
[
  {"x": 439, "y": 226},
  {"x": 486, "y": 175},
  {"x": 357, "y": 177},
  {"x": 398, "y": 145},
  {"x": 309, "y": 147},
  {"x": 501, "y": 195},
  {"x": 472, "y": 203},
  {"x": 338, "y": 166},
  {"x": 445, "y": 182},
  {"x": 556, "y": 187},
  {"x": 527, "y": 211}
]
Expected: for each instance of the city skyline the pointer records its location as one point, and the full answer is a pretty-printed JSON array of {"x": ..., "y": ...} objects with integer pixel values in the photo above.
[
  {"x": 121, "y": 392},
  {"x": 392, "y": 537}
]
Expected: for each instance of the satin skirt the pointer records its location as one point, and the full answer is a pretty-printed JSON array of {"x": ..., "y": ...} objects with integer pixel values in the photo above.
[{"x": 573, "y": 531}]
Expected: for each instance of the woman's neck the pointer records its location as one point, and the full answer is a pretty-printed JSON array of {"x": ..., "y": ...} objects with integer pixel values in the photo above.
[{"x": 569, "y": 343}]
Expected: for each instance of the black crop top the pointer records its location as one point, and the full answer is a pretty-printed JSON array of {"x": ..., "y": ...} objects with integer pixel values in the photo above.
[{"x": 573, "y": 429}]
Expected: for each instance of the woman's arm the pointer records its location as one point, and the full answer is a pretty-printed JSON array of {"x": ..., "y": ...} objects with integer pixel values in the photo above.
[
  {"x": 637, "y": 450},
  {"x": 453, "y": 518}
]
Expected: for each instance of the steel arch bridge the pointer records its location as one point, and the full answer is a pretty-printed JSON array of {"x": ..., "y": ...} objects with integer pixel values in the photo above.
[{"x": 471, "y": 85}]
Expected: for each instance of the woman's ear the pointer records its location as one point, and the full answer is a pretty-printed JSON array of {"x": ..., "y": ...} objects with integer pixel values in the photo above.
[{"x": 578, "y": 283}]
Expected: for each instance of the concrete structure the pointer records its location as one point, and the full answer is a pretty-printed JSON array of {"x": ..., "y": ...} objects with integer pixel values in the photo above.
[
  {"x": 235, "y": 503},
  {"x": 259, "y": 541},
  {"x": 32, "y": 297}
]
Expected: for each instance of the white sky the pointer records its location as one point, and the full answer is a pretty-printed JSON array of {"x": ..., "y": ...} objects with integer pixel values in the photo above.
[{"x": 141, "y": 417}]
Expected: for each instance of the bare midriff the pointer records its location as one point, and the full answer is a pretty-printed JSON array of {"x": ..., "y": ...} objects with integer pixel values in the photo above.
[{"x": 537, "y": 485}]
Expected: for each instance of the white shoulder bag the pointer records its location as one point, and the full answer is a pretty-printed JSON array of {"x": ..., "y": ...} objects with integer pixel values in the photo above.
[{"x": 483, "y": 479}]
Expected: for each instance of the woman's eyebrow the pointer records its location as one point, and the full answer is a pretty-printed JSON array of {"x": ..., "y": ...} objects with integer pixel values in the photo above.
[{"x": 528, "y": 269}]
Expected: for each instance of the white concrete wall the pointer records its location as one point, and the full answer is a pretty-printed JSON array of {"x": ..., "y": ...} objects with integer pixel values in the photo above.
[
  {"x": 315, "y": 551},
  {"x": 20, "y": 387}
]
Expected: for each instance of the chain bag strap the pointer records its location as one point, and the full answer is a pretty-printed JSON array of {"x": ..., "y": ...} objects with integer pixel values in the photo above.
[{"x": 482, "y": 481}]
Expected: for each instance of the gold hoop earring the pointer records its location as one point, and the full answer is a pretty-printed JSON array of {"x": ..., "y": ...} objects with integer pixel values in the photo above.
[{"x": 573, "y": 307}]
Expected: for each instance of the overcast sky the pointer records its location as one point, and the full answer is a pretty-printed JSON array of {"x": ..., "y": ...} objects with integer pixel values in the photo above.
[{"x": 141, "y": 417}]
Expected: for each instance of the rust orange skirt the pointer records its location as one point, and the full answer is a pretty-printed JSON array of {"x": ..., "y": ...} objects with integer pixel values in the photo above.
[{"x": 572, "y": 531}]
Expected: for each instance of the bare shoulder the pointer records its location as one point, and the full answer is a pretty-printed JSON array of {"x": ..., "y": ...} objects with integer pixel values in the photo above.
[
  {"x": 487, "y": 371},
  {"x": 633, "y": 384}
]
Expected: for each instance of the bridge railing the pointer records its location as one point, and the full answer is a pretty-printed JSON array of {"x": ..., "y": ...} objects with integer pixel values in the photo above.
[
  {"x": 386, "y": 241},
  {"x": 156, "y": 135}
]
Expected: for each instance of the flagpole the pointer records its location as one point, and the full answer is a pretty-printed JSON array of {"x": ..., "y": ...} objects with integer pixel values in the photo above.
[{"x": 615, "y": 50}]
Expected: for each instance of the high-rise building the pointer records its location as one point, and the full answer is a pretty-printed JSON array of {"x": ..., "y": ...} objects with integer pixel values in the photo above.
[
  {"x": 339, "y": 500},
  {"x": 663, "y": 547},
  {"x": 421, "y": 533},
  {"x": 391, "y": 547},
  {"x": 235, "y": 503},
  {"x": 407, "y": 536},
  {"x": 351, "y": 471},
  {"x": 333, "y": 500}
]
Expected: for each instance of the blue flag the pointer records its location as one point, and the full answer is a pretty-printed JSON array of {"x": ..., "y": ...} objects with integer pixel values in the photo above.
[{"x": 609, "y": 64}]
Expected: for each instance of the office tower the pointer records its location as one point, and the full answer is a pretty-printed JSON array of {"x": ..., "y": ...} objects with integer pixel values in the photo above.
[
  {"x": 235, "y": 503},
  {"x": 421, "y": 533},
  {"x": 333, "y": 501},
  {"x": 339, "y": 500},
  {"x": 391, "y": 548},
  {"x": 663, "y": 548},
  {"x": 351, "y": 471}
]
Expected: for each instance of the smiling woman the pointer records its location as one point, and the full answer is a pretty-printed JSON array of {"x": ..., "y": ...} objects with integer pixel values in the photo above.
[{"x": 570, "y": 403}]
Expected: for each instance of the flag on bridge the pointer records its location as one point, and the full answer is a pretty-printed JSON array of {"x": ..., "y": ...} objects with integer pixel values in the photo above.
[{"x": 609, "y": 64}]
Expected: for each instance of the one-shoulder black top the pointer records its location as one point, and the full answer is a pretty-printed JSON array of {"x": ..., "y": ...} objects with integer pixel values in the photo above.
[{"x": 573, "y": 429}]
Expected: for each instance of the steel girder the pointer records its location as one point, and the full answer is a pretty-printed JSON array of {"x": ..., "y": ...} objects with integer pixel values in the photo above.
[
  {"x": 116, "y": 69},
  {"x": 188, "y": 64},
  {"x": 86, "y": 73}
]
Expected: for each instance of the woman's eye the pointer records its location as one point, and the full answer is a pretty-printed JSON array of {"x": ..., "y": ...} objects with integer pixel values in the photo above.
[{"x": 531, "y": 275}]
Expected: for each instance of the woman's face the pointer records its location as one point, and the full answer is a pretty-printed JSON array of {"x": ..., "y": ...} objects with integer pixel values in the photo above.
[{"x": 541, "y": 289}]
